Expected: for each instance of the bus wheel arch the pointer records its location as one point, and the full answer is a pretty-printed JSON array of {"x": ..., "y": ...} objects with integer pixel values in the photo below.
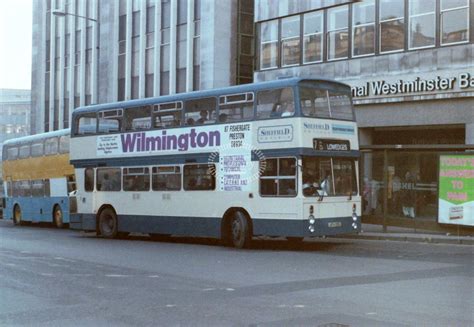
[
  {"x": 57, "y": 215},
  {"x": 236, "y": 228},
  {"x": 16, "y": 214},
  {"x": 107, "y": 222}
]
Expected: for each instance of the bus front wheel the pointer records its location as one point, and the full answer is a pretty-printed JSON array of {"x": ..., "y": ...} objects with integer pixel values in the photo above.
[
  {"x": 240, "y": 234},
  {"x": 58, "y": 216},
  {"x": 108, "y": 223},
  {"x": 17, "y": 215}
]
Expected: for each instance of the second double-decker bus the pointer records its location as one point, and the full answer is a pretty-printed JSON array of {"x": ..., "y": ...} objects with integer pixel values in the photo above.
[
  {"x": 276, "y": 158},
  {"x": 37, "y": 178}
]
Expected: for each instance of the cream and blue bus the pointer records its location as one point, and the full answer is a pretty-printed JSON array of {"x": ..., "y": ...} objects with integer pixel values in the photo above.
[
  {"x": 277, "y": 158},
  {"x": 38, "y": 178}
]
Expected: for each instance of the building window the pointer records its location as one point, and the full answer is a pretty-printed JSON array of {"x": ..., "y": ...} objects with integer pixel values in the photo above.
[
  {"x": 454, "y": 21},
  {"x": 392, "y": 25},
  {"x": 269, "y": 44},
  {"x": 422, "y": 23},
  {"x": 313, "y": 37},
  {"x": 290, "y": 41},
  {"x": 363, "y": 32},
  {"x": 338, "y": 33}
]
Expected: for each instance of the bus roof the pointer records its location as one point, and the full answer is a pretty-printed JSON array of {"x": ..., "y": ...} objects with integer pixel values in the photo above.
[
  {"x": 36, "y": 137},
  {"x": 206, "y": 93}
]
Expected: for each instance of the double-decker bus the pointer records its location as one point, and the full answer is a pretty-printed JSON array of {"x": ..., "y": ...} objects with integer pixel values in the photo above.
[
  {"x": 38, "y": 178},
  {"x": 276, "y": 158}
]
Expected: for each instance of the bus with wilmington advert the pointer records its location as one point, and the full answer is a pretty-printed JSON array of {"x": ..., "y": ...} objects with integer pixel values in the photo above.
[{"x": 277, "y": 158}]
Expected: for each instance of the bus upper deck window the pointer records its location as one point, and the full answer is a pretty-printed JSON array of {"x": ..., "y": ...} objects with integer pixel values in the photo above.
[
  {"x": 64, "y": 144},
  {"x": 37, "y": 149},
  {"x": 12, "y": 153},
  {"x": 87, "y": 124},
  {"x": 51, "y": 146},
  {"x": 340, "y": 106},
  {"x": 110, "y": 120},
  {"x": 137, "y": 118},
  {"x": 314, "y": 102},
  {"x": 200, "y": 111},
  {"x": 275, "y": 103},
  {"x": 24, "y": 151}
]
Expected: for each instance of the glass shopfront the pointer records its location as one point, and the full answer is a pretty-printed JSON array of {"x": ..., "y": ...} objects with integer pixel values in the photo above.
[{"x": 400, "y": 186}]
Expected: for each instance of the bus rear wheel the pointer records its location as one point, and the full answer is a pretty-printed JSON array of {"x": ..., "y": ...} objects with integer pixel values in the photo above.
[
  {"x": 108, "y": 226},
  {"x": 58, "y": 217},
  {"x": 17, "y": 215},
  {"x": 239, "y": 234}
]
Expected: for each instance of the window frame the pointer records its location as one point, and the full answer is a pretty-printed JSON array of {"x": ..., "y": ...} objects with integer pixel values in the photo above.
[
  {"x": 128, "y": 172},
  {"x": 329, "y": 31},
  {"x": 304, "y": 35},
  {"x": 289, "y": 39},
  {"x": 354, "y": 26},
  {"x": 261, "y": 43},
  {"x": 177, "y": 170},
  {"x": 442, "y": 11},
  {"x": 381, "y": 21},
  {"x": 279, "y": 177},
  {"x": 411, "y": 16},
  {"x": 210, "y": 166}
]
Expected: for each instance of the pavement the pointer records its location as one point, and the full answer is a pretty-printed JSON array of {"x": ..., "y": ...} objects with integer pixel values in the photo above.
[{"x": 375, "y": 232}]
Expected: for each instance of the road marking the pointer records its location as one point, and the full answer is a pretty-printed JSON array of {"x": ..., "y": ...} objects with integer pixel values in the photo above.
[
  {"x": 230, "y": 289},
  {"x": 10, "y": 264},
  {"x": 46, "y": 274},
  {"x": 153, "y": 276},
  {"x": 170, "y": 305},
  {"x": 116, "y": 275},
  {"x": 208, "y": 289},
  {"x": 371, "y": 313},
  {"x": 299, "y": 306}
]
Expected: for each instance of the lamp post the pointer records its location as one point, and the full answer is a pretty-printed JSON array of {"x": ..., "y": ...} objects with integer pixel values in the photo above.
[{"x": 95, "y": 72}]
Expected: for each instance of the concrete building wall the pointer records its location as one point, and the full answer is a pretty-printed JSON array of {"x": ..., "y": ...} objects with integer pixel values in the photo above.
[{"x": 102, "y": 62}]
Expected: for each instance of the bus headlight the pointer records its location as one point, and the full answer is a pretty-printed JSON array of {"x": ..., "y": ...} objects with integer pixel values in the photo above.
[{"x": 311, "y": 220}]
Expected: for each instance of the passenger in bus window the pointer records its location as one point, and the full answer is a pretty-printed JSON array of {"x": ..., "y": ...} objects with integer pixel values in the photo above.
[
  {"x": 203, "y": 119},
  {"x": 288, "y": 110},
  {"x": 190, "y": 121},
  {"x": 106, "y": 183},
  {"x": 223, "y": 118}
]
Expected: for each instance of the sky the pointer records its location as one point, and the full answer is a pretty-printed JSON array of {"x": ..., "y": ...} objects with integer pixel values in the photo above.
[{"x": 15, "y": 43}]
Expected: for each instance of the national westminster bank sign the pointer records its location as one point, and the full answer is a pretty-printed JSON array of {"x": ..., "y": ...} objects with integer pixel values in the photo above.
[{"x": 414, "y": 85}]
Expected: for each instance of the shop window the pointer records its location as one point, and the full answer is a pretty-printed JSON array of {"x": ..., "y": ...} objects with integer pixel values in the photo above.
[
  {"x": 363, "y": 31},
  {"x": 290, "y": 41},
  {"x": 338, "y": 33},
  {"x": 199, "y": 177},
  {"x": 166, "y": 178},
  {"x": 422, "y": 23},
  {"x": 108, "y": 179},
  {"x": 278, "y": 177},
  {"x": 454, "y": 21},
  {"x": 392, "y": 25},
  {"x": 269, "y": 44},
  {"x": 136, "y": 179},
  {"x": 313, "y": 37}
]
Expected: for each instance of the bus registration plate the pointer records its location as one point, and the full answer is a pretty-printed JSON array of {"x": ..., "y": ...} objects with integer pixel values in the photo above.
[{"x": 334, "y": 224}]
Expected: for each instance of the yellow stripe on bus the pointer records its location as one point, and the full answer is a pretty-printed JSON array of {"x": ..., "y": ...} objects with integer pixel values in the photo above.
[{"x": 38, "y": 168}]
